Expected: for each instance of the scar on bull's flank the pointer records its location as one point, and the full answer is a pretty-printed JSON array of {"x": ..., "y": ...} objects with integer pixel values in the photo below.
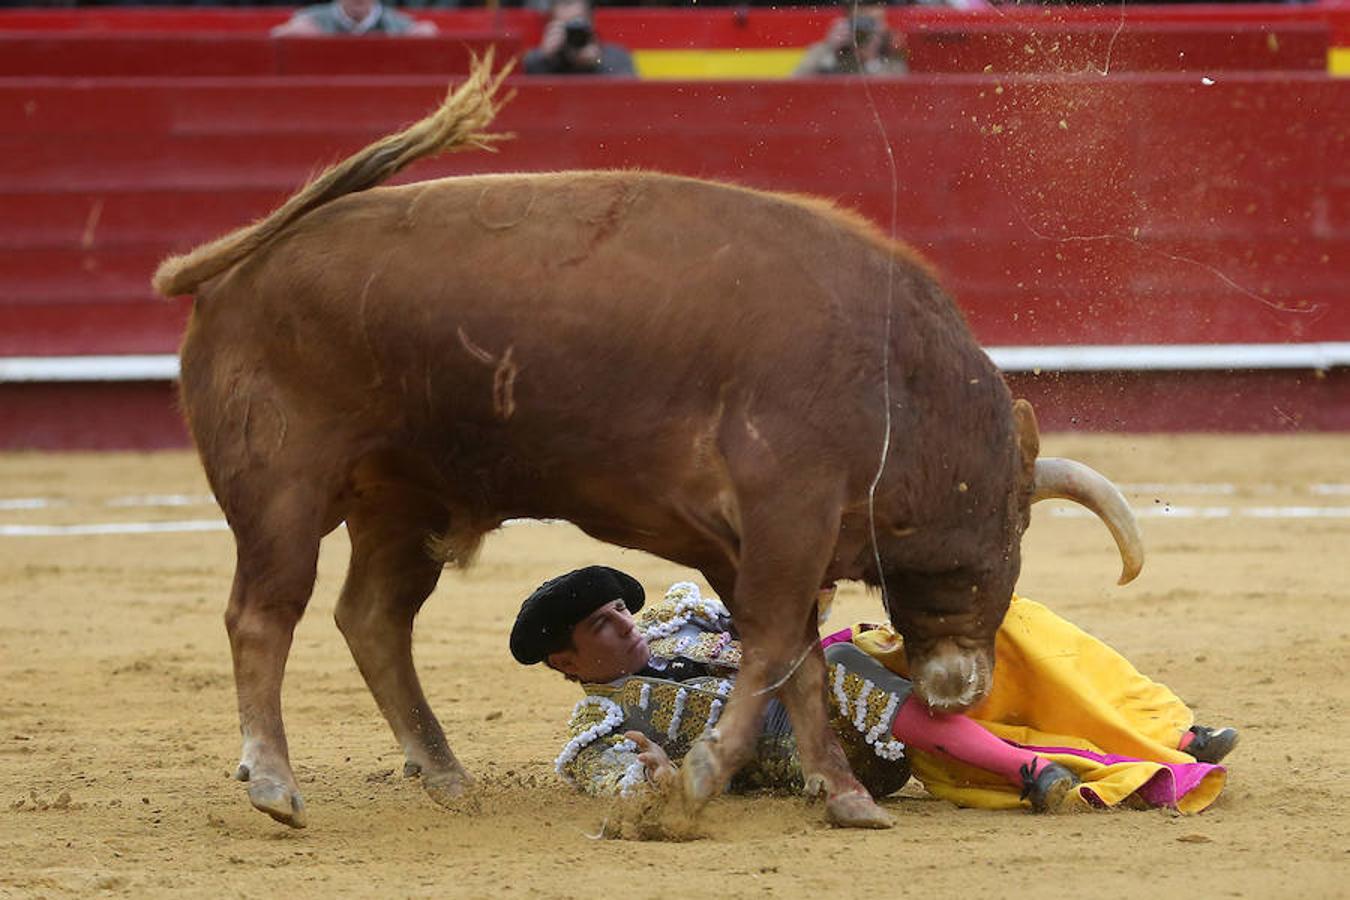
[
  {"x": 503, "y": 375},
  {"x": 504, "y": 204},
  {"x": 473, "y": 349},
  {"x": 408, "y": 220},
  {"x": 504, "y": 386}
]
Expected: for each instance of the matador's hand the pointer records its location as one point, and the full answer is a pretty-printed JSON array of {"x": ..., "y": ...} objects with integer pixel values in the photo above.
[{"x": 660, "y": 770}]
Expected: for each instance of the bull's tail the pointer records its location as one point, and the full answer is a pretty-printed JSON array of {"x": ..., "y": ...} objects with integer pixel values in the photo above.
[{"x": 458, "y": 124}]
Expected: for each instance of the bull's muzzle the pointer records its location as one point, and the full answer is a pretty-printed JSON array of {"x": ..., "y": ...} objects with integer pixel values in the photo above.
[{"x": 950, "y": 678}]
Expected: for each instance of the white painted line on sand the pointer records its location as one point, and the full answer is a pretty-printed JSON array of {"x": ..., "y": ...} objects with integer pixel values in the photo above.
[
  {"x": 1295, "y": 512},
  {"x": 1159, "y": 511},
  {"x": 163, "y": 500},
  {"x": 152, "y": 501},
  {"x": 1168, "y": 511},
  {"x": 1159, "y": 487},
  {"x": 32, "y": 502},
  {"x": 113, "y": 528},
  {"x": 1149, "y": 488}
]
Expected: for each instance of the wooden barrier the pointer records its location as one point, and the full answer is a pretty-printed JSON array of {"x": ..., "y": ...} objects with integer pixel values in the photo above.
[
  {"x": 1087, "y": 48},
  {"x": 723, "y": 27},
  {"x": 144, "y": 415},
  {"x": 1128, "y": 210},
  {"x": 990, "y": 50},
  {"x": 675, "y": 42},
  {"x": 95, "y": 55},
  {"x": 1139, "y": 209}
]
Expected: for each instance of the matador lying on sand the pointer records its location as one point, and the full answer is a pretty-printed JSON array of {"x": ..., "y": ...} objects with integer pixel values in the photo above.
[{"x": 1069, "y": 724}]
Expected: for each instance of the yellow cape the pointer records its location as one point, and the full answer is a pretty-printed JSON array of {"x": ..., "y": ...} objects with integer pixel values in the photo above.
[{"x": 1057, "y": 686}]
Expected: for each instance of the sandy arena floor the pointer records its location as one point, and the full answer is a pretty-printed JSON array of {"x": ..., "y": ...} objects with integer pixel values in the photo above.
[{"x": 118, "y": 732}]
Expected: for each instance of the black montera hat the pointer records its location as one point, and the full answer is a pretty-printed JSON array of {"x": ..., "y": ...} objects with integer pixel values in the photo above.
[{"x": 546, "y": 618}]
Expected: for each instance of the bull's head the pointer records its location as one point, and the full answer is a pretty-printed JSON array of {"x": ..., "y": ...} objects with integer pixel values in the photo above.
[{"x": 949, "y": 564}]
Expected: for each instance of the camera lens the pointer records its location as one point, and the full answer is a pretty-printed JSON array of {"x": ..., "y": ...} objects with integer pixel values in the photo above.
[{"x": 578, "y": 33}]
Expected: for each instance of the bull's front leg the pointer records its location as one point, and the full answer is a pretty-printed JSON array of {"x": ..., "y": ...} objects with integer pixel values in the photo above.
[
  {"x": 711, "y": 762},
  {"x": 798, "y": 677},
  {"x": 824, "y": 766},
  {"x": 785, "y": 547}
]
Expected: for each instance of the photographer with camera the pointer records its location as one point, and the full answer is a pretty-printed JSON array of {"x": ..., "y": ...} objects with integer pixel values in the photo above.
[
  {"x": 860, "y": 43},
  {"x": 570, "y": 45}
]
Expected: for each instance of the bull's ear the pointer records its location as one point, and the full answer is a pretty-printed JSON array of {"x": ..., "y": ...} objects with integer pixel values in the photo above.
[{"x": 1028, "y": 437}]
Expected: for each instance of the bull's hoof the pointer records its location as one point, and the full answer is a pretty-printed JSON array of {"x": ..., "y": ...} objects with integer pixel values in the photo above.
[
  {"x": 447, "y": 788},
  {"x": 699, "y": 776},
  {"x": 278, "y": 801},
  {"x": 856, "y": 809}
]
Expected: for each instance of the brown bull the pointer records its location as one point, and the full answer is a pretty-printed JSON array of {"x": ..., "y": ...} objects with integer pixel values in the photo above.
[{"x": 756, "y": 385}]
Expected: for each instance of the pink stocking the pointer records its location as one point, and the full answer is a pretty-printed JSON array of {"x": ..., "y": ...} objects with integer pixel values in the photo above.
[{"x": 961, "y": 739}]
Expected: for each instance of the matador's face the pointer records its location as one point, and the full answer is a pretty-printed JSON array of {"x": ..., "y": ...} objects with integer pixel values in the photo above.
[{"x": 605, "y": 645}]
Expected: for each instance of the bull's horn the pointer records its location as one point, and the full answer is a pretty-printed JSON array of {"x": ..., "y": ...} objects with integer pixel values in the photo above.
[{"x": 1065, "y": 479}]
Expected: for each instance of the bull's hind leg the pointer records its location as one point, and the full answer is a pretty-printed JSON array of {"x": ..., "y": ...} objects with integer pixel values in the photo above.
[
  {"x": 390, "y": 576},
  {"x": 786, "y": 542},
  {"x": 278, "y": 549}
]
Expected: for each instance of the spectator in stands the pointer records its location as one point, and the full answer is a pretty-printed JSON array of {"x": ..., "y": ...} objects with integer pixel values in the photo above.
[
  {"x": 351, "y": 17},
  {"x": 860, "y": 43},
  {"x": 570, "y": 45}
]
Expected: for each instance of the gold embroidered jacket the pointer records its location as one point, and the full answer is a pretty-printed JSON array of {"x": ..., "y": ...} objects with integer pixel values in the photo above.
[{"x": 684, "y": 625}]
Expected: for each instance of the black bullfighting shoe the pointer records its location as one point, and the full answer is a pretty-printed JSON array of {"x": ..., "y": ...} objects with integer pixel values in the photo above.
[
  {"x": 1047, "y": 786},
  {"x": 1210, "y": 745}
]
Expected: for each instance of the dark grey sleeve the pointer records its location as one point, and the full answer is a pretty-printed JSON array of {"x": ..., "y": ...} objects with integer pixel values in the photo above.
[
  {"x": 536, "y": 63},
  {"x": 615, "y": 60},
  {"x": 394, "y": 22}
]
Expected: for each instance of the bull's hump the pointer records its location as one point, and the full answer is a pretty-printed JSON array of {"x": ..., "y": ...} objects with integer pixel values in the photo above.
[
  {"x": 507, "y": 198},
  {"x": 582, "y": 180}
]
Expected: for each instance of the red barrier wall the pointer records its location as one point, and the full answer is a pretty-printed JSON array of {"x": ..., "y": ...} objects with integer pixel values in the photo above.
[
  {"x": 144, "y": 415},
  {"x": 39, "y": 54},
  {"x": 1133, "y": 209},
  {"x": 1063, "y": 209},
  {"x": 997, "y": 48},
  {"x": 233, "y": 42},
  {"x": 709, "y": 27},
  {"x": 1085, "y": 48}
]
